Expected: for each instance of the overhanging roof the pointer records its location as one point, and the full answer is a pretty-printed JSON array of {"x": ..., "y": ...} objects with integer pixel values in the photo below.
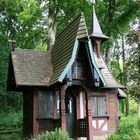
[
  {"x": 121, "y": 93},
  {"x": 31, "y": 68},
  {"x": 111, "y": 82},
  {"x": 65, "y": 48},
  {"x": 41, "y": 68}
]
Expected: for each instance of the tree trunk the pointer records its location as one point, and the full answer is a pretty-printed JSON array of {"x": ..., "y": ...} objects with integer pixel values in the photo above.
[
  {"x": 124, "y": 75},
  {"x": 111, "y": 8},
  {"x": 127, "y": 105},
  {"x": 139, "y": 108},
  {"x": 108, "y": 55},
  {"x": 51, "y": 24}
]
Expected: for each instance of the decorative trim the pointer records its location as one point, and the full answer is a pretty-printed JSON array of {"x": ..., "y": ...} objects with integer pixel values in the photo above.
[
  {"x": 75, "y": 48},
  {"x": 94, "y": 63}
]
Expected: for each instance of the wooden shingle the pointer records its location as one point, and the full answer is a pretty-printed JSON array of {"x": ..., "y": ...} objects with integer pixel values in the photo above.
[
  {"x": 64, "y": 46},
  {"x": 106, "y": 73},
  {"x": 31, "y": 68}
]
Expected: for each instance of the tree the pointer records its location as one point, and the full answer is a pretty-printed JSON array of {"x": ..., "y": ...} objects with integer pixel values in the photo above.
[{"x": 133, "y": 39}]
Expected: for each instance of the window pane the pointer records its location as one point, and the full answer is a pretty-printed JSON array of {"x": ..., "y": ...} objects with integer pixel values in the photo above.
[
  {"x": 45, "y": 104},
  {"x": 94, "y": 106},
  {"x": 101, "y": 106}
]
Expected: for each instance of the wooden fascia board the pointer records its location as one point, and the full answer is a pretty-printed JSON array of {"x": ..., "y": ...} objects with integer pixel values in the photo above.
[
  {"x": 73, "y": 57},
  {"x": 94, "y": 63},
  {"x": 13, "y": 66}
]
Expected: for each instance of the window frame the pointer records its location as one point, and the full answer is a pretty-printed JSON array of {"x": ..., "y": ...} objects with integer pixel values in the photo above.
[
  {"x": 97, "y": 109},
  {"x": 46, "y": 116}
]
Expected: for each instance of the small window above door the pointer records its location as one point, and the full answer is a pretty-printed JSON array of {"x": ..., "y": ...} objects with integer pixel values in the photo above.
[{"x": 78, "y": 69}]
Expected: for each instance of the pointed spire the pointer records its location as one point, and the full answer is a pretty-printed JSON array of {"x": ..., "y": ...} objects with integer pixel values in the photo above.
[{"x": 96, "y": 31}]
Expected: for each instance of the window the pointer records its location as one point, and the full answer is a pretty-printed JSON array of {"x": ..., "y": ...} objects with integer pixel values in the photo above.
[
  {"x": 96, "y": 79},
  {"x": 69, "y": 103},
  {"x": 45, "y": 104},
  {"x": 98, "y": 106},
  {"x": 57, "y": 104},
  {"x": 78, "y": 69}
]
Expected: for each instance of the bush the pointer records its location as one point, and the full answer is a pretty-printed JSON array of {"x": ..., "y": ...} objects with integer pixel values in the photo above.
[
  {"x": 58, "y": 134},
  {"x": 135, "y": 138},
  {"x": 138, "y": 122},
  {"x": 113, "y": 137},
  {"x": 128, "y": 129},
  {"x": 12, "y": 119}
]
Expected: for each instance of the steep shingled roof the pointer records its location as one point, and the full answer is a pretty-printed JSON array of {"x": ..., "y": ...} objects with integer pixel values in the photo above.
[
  {"x": 106, "y": 73},
  {"x": 41, "y": 68},
  {"x": 31, "y": 68},
  {"x": 65, "y": 45}
]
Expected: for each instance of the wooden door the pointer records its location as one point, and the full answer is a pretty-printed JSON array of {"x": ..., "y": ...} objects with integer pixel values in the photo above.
[{"x": 70, "y": 114}]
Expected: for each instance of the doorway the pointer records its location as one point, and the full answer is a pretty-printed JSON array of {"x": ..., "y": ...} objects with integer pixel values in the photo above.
[{"x": 70, "y": 113}]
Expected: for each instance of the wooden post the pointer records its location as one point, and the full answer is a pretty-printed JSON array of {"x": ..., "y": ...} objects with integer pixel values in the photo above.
[
  {"x": 98, "y": 42},
  {"x": 35, "y": 113},
  {"x": 89, "y": 118},
  {"x": 62, "y": 107}
]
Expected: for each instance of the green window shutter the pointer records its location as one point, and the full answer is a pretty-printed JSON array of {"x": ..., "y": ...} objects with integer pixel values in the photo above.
[
  {"x": 94, "y": 106},
  {"x": 101, "y": 106}
]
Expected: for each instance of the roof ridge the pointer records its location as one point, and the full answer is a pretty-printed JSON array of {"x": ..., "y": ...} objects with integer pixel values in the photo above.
[{"x": 31, "y": 50}]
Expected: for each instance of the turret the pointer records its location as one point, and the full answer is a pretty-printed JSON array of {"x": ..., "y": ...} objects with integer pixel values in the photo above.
[{"x": 96, "y": 35}]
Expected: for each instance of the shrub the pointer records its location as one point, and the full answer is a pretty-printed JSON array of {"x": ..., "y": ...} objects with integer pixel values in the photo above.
[
  {"x": 58, "y": 134},
  {"x": 11, "y": 119},
  {"x": 135, "y": 138},
  {"x": 113, "y": 137},
  {"x": 138, "y": 122},
  {"x": 128, "y": 129}
]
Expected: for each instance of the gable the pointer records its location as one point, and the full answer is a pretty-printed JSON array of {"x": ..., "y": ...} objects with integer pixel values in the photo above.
[
  {"x": 83, "y": 70},
  {"x": 90, "y": 58},
  {"x": 11, "y": 83},
  {"x": 65, "y": 48}
]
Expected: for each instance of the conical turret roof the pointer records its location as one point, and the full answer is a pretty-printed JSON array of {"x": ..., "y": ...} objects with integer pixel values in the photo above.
[{"x": 96, "y": 31}]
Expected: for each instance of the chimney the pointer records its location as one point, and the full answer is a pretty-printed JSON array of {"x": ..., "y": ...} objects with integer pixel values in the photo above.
[{"x": 12, "y": 44}]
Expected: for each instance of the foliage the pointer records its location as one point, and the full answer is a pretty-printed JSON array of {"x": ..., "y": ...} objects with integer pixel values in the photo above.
[
  {"x": 58, "y": 134},
  {"x": 26, "y": 22},
  {"x": 12, "y": 119},
  {"x": 128, "y": 129},
  {"x": 13, "y": 136},
  {"x": 138, "y": 122}
]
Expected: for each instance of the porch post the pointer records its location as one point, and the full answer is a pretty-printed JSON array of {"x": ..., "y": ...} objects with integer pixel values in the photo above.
[
  {"x": 89, "y": 118},
  {"x": 35, "y": 114},
  {"x": 62, "y": 107}
]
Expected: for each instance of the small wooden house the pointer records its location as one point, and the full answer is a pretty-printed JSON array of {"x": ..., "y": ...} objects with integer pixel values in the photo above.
[{"x": 69, "y": 86}]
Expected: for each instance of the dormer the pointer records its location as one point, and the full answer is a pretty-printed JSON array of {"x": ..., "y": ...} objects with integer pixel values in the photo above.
[{"x": 83, "y": 72}]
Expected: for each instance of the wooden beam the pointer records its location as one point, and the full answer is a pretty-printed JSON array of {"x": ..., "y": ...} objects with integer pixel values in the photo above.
[
  {"x": 89, "y": 116},
  {"x": 35, "y": 113},
  {"x": 62, "y": 107}
]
